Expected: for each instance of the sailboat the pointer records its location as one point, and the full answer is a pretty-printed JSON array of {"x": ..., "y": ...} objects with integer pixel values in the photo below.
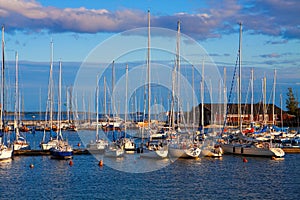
[
  {"x": 182, "y": 146},
  {"x": 115, "y": 148},
  {"x": 161, "y": 151},
  {"x": 208, "y": 148},
  {"x": 5, "y": 151},
  {"x": 112, "y": 123},
  {"x": 240, "y": 144},
  {"x": 70, "y": 125},
  {"x": 62, "y": 150},
  {"x": 52, "y": 142},
  {"x": 100, "y": 144},
  {"x": 129, "y": 145},
  {"x": 20, "y": 142}
]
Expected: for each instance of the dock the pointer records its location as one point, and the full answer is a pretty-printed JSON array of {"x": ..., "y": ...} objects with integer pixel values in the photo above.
[
  {"x": 83, "y": 151},
  {"x": 291, "y": 149},
  {"x": 37, "y": 152}
]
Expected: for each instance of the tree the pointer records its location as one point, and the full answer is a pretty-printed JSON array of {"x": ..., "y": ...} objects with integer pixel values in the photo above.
[{"x": 291, "y": 102}]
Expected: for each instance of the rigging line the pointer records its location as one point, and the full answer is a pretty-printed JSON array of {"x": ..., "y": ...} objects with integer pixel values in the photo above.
[
  {"x": 270, "y": 97},
  {"x": 230, "y": 93},
  {"x": 246, "y": 99}
]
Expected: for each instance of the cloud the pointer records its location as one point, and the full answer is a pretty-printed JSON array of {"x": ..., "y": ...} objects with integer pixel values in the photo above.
[
  {"x": 214, "y": 54},
  {"x": 269, "y": 17},
  {"x": 272, "y": 55},
  {"x": 274, "y": 17},
  {"x": 32, "y": 16},
  {"x": 276, "y": 55},
  {"x": 275, "y": 60},
  {"x": 277, "y": 42},
  {"x": 219, "y": 55}
]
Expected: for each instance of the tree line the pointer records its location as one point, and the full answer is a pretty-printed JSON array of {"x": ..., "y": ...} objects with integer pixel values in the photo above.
[{"x": 292, "y": 106}]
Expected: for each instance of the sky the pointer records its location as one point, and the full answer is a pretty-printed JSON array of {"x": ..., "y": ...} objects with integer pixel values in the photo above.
[{"x": 271, "y": 35}]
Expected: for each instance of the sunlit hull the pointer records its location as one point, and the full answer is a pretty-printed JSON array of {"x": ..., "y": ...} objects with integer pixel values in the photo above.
[
  {"x": 97, "y": 146},
  {"x": 5, "y": 153},
  {"x": 114, "y": 152},
  {"x": 252, "y": 151},
  {"x": 48, "y": 145},
  {"x": 156, "y": 154},
  {"x": 192, "y": 152},
  {"x": 21, "y": 146}
]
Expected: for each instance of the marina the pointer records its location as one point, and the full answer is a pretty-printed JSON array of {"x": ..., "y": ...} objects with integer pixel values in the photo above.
[
  {"x": 80, "y": 148},
  {"x": 181, "y": 100}
]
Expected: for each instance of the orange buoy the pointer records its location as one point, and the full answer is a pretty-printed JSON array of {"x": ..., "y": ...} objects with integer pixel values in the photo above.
[
  {"x": 245, "y": 160},
  {"x": 100, "y": 163},
  {"x": 79, "y": 144},
  {"x": 31, "y": 166},
  {"x": 71, "y": 163}
]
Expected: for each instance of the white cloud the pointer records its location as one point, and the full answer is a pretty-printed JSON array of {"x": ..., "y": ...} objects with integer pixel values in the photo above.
[{"x": 270, "y": 17}]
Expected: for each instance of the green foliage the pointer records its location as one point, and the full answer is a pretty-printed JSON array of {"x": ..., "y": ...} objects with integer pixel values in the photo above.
[{"x": 291, "y": 102}]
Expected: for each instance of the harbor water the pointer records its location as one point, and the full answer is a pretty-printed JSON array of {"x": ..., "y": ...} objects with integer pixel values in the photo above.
[{"x": 204, "y": 178}]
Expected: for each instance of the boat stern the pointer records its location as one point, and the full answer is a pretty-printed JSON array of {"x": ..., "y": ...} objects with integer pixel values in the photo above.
[{"x": 278, "y": 152}]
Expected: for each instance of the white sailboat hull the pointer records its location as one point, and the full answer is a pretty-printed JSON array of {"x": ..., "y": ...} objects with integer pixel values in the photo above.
[
  {"x": 210, "y": 151},
  {"x": 5, "y": 153},
  {"x": 21, "y": 146},
  {"x": 50, "y": 144},
  {"x": 97, "y": 146},
  {"x": 115, "y": 152},
  {"x": 129, "y": 145},
  {"x": 192, "y": 152},
  {"x": 158, "y": 136},
  {"x": 156, "y": 154},
  {"x": 252, "y": 151}
]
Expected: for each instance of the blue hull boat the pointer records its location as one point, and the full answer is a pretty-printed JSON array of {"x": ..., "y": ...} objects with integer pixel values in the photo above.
[
  {"x": 62, "y": 151},
  {"x": 57, "y": 154}
]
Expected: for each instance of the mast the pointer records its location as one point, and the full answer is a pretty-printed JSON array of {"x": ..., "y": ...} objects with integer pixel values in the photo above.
[
  {"x": 194, "y": 108},
  {"x": 126, "y": 90},
  {"x": 172, "y": 114},
  {"x": 71, "y": 104},
  {"x": 149, "y": 72},
  {"x": 89, "y": 109},
  {"x": 281, "y": 119},
  {"x": 51, "y": 86},
  {"x": 59, "y": 101},
  {"x": 240, "y": 80},
  {"x": 2, "y": 84},
  {"x": 104, "y": 85},
  {"x": 202, "y": 99},
  {"x": 178, "y": 71},
  {"x": 112, "y": 95},
  {"x": 274, "y": 90},
  {"x": 50, "y": 92},
  {"x": 264, "y": 99},
  {"x": 68, "y": 105},
  {"x": 112, "y": 87},
  {"x": 84, "y": 108},
  {"x": 220, "y": 105},
  {"x": 211, "y": 106},
  {"x": 16, "y": 120},
  {"x": 252, "y": 94},
  {"x": 225, "y": 93},
  {"x": 97, "y": 114},
  {"x": 40, "y": 101}
]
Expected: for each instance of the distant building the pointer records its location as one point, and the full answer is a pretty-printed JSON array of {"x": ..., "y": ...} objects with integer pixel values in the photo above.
[{"x": 214, "y": 114}]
